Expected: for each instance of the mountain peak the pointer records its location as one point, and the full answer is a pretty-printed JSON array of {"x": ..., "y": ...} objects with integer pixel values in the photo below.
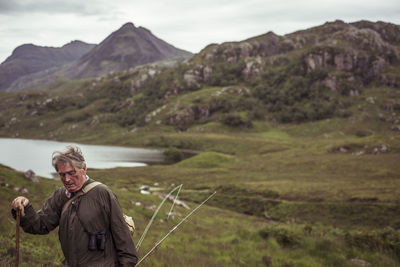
[
  {"x": 128, "y": 26},
  {"x": 74, "y": 43},
  {"x": 127, "y": 47}
]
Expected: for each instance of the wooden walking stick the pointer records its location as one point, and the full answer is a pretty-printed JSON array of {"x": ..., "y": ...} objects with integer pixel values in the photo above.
[{"x": 17, "y": 238}]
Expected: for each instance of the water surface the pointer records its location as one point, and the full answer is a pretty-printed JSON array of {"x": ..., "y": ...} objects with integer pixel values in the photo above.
[{"x": 25, "y": 154}]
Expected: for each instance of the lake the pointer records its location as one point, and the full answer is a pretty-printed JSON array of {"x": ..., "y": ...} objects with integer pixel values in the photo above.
[{"x": 25, "y": 154}]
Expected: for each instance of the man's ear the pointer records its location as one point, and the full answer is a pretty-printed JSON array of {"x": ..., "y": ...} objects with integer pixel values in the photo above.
[{"x": 84, "y": 167}]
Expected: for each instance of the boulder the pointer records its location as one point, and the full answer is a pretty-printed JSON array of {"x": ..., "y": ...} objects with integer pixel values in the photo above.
[
  {"x": 182, "y": 117},
  {"x": 344, "y": 62},
  {"x": 30, "y": 175},
  {"x": 254, "y": 67},
  {"x": 370, "y": 100},
  {"x": 24, "y": 191},
  {"x": 320, "y": 59},
  {"x": 207, "y": 71},
  {"x": 191, "y": 79}
]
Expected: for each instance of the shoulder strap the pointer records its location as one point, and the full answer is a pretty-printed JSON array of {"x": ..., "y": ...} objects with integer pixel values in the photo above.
[
  {"x": 89, "y": 187},
  {"x": 80, "y": 193}
]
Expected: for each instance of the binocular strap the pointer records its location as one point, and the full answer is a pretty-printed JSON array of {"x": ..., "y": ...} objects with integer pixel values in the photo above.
[{"x": 90, "y": 234}]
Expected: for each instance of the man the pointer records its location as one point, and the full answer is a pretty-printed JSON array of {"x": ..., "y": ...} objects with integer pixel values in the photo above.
[{"x": 92, "y": 230}]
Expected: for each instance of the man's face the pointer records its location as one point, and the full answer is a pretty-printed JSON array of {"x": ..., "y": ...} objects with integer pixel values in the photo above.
[{"x": 72, "y": 177}]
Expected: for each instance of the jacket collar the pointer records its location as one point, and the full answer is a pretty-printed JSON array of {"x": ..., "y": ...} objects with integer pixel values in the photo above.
[{"x": 71, "y": 194}]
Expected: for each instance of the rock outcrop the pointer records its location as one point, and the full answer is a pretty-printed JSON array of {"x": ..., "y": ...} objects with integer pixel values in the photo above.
[{"x": 358, "y": 53}]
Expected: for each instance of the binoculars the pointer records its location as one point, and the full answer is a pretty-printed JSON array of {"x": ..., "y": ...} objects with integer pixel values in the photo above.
[{"x": 97, "y": 241}]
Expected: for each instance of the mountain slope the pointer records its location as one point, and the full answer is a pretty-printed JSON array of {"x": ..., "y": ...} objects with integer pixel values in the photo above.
[
  {"x": 127, "y": 47},
  {"x": 28, "y": 59},
  {"x": 305, "y": 76}
]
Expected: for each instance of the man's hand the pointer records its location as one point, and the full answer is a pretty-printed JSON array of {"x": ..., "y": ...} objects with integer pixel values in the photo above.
[{"x": 20, "y": 203}]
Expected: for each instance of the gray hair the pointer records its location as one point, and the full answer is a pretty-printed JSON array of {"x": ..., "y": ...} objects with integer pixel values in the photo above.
[{"x": 72, "y": 155}]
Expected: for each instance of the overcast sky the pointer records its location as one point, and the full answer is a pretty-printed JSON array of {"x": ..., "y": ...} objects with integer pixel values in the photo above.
[{"x": 186, "y": 24}]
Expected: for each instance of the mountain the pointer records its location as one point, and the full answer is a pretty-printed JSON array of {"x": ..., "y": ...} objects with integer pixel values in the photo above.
[
  {"x": 127, "y": 47},
  {"x": 306, "y": 76},
  {"x": 28, "y": 59},
  {"x": 33, "y": 66},
  {"x": 362, "y": 50}
]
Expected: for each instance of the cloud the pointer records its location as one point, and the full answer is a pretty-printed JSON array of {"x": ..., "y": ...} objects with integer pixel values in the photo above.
[
  {"x": 8, "y": 6},
  {"x": 92, "y": 7}
]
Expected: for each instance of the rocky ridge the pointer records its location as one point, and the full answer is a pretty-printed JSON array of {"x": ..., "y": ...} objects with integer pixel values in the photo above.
[
  {"x": 361, "y": 50},
  {"x": 29, "y": 59},
  {"x": 339, "y": 57}
]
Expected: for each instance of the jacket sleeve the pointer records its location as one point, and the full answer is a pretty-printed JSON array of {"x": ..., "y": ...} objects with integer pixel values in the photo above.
[
  {"x": 44, "y": 220},
  {"x": 125, "y": 247}
]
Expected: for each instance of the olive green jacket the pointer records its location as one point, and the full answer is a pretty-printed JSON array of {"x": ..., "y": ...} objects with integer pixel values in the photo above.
[{"x": 97, "y": 210}]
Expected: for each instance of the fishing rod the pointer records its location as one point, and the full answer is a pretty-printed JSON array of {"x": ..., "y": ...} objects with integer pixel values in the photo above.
[
  {"x": 156, "y": 212},
  {"x": 173, "y": 229}
]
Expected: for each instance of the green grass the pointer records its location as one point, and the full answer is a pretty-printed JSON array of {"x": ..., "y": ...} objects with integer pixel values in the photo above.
[
  {"x": 35, "y": 250},
  {"x": 211, "y": 237},
  {"x": 208, "y": 160}
]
